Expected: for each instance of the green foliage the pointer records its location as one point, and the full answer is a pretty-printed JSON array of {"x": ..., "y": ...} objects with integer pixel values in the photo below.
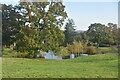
[
  {"x": 70, "y": 48},
  {"x": 7, "y": 51},
  {"x": 78, "y": 47},
  {"x": 101, "y": 34},
  {"x": 33, "y": 26},
  {"x": 81, "y": 47},
  {"x": 43, "y": 29},
  {"x": 113, "y": 28},
  {"x": 11, "y": 21},
  {"x": 63, "y": 51},
  {"x": 24, "y": 54},
  {"x": 20, "y": 55},
  {"x": 75, "y": 48},
  {"x": 78, "y": 37},
  {"x": 91, "y": 50},
  {"x": 69, "y": 31},
  {"x": 30, "y": 27},
  {"x": 28, "y": 41}
]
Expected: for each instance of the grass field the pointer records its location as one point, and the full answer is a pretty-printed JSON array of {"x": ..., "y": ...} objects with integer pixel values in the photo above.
[{"x": 93, "y": 66}]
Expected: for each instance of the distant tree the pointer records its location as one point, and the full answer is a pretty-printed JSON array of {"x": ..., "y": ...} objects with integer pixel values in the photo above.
[
  {"x": 113, "y": 28},
  {"x": 78, "y": 37},
  {"x": 99, "y": 33},
  {"x": 69, "y": 31}
]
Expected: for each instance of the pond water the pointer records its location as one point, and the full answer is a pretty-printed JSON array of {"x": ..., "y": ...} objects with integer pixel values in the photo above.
[{"x": 50, "y": 55}]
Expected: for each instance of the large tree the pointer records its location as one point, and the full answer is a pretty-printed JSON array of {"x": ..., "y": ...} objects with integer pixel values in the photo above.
[
  {"x": 69, "y": 31},
  {"x": 47, "y": 18},
  {"x": 99, "y": 33}
]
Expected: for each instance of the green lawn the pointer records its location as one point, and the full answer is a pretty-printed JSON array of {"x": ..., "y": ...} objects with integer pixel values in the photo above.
[{"x": 93, "y": 66}]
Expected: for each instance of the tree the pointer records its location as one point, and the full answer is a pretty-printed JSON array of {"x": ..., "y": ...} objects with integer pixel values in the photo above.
[
  {"x": 11, "y": 21},
  {"x": 69, "y": 31},
  {"x": 46, "y": 18},
  {"x": 75, "y": 48},
  {"x": 113, "y": 28},
  {"x": 28, "y": 43},
  {"x": 78, "y": 47},
  {"x": 80, "y": 36},
  {"x": 99, "y": 33}
]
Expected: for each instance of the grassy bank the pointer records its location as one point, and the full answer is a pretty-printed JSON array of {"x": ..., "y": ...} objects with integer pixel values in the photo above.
[{"x": 94, "y": 66}]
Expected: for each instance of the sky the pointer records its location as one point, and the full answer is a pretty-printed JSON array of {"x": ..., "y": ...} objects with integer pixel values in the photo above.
[{"x": 85, "y": 13}]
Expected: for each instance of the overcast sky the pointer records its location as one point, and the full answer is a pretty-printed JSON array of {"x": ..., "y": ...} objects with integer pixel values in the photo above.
[{"x": 85, "y": 13}]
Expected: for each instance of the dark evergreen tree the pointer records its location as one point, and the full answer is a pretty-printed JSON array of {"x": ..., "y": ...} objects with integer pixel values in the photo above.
[{"x": 69, "y": 31}]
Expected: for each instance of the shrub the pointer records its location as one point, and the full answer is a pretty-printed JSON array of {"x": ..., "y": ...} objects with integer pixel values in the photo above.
[
  {"x": 76, "y": 47},
  {"x": 8, "y": 51},
  {"x": 14, "y": 55},
  {"x": 63, "y": 51},
  {"x": 70, "y": 48},
  {"x": 20, "y": 55},
  {"x": 90, "y": 50},
  {"x": 24, "y": 54}
]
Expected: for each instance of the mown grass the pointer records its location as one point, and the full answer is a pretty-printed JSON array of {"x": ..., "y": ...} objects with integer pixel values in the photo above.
[{"x": 93, "y": 66}]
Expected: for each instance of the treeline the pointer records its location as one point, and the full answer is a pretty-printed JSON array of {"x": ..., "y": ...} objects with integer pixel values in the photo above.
[
  {"x": 32, "y": 27},
  {"x": 97, "y": 34}
]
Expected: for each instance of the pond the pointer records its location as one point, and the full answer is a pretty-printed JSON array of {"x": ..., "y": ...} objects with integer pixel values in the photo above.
[{"x": 50, "y": 55}]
